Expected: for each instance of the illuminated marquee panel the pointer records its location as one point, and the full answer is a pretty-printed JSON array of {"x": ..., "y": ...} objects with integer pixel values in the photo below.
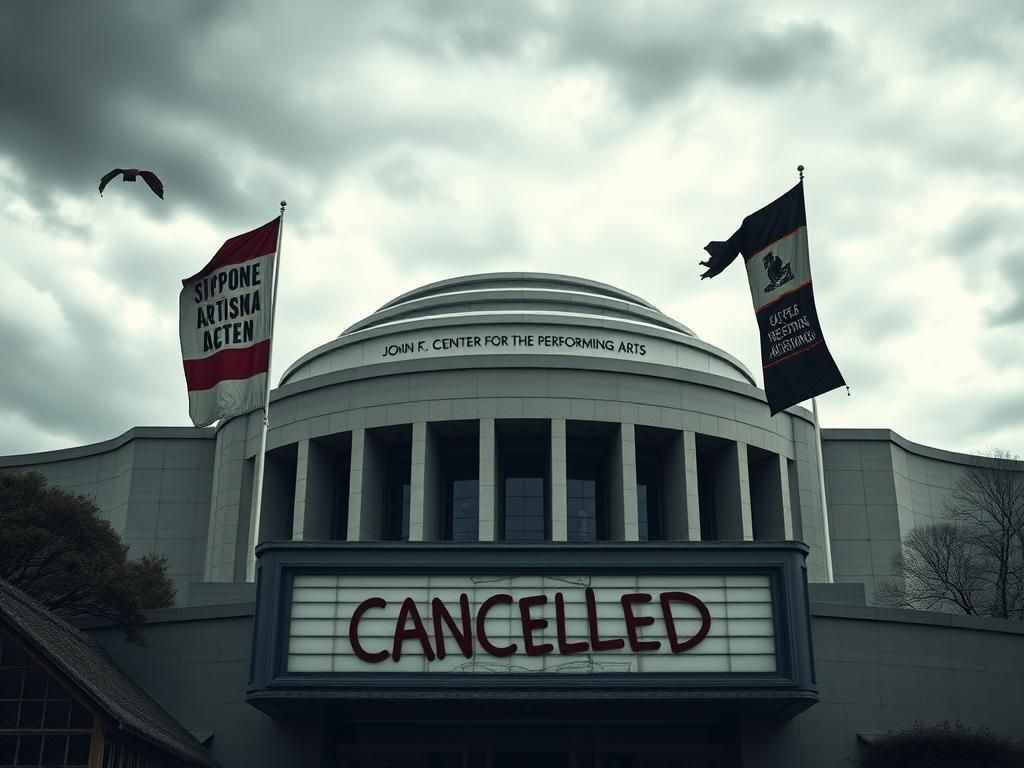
[
  {"x": 385, "y": 628},
  {"x": 529, "y": 624}
]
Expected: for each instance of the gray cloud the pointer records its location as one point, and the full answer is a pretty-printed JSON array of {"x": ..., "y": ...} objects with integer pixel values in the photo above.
[
  {"x": 403, "y": 179},
  {"x": 461, "y": 244},
  {"x": 174, "y": 90},
  {"x": 986, "y": 243},
  {"x": 987, "y": 32},
  {"x": 651, "y": 52},
  {"x": 90, "y": 380},
  {"x": 662, "y": 53}
]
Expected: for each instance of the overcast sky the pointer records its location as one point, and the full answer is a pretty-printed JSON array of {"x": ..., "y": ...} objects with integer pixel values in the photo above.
[{"x": 419, "y": 141}]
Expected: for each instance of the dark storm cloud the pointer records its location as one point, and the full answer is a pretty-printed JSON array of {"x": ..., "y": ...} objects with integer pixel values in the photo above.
[
  {"x": 79, "y": 100},
  {"x": 661, "y": 53},
  {"x": 651, "y": 52},
  {"x": 89, "y": 380},
  {"x": 195, "y": 92}
]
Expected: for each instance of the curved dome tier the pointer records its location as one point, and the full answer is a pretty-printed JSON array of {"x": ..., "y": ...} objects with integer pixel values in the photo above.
[{"x": 517, "y": 313}]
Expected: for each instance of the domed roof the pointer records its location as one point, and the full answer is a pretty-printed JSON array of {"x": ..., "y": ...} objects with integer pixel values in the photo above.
[
  {"x": 515, "y": 293},
  {"x": 509, "y": 315}
]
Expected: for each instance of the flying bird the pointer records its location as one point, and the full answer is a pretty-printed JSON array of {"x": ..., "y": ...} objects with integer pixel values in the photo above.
[{"x": 129, "y": 175}]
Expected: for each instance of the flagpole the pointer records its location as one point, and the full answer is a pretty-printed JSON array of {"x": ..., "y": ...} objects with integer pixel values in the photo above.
[
  {"x": 257, "y": 506},
  {"x": 829, "y": 575}
]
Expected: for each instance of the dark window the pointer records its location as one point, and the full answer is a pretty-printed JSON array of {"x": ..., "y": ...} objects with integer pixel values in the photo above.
[
  {"x": 524, "y": 509},
  {"x": 581, "y": 510},
  {"x": 650, "y": 515},
  {"x": 587, "y": 457},
  {"x": 523, "y": 451},
  {"x": 461, "y": 461},
  {"x": 464, "y": 510},
  {"x": 30, "y": 701},
  {"x": 706, "y": 494},
  {"x": 397, "y": 492}
]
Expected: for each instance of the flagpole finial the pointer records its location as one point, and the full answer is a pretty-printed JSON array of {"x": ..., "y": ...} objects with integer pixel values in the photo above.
[
  {"x": 800, "y": 170},
  {"x": 284, "y": 203}
]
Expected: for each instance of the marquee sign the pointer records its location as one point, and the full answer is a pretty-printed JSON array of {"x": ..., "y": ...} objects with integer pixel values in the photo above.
[
  {"x": 523, "y": 624},
  {"x": 714, "y": 624}
]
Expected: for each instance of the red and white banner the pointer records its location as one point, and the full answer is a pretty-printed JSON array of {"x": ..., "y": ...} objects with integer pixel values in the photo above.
[{"x": 225, "y": 323}]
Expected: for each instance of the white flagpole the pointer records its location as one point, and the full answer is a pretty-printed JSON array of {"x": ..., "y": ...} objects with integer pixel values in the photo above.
[
  {"x": 829, "y": 576},
  {"x": 257, "y": 504}
]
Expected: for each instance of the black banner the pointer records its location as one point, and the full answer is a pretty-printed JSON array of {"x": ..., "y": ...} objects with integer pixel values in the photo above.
[
  {"x": 797, "y": 364},
  {"x": 773, "y": 240}
]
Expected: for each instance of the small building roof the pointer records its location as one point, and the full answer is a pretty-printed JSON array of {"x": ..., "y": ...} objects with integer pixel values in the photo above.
[{"x": 81, "y": 659}]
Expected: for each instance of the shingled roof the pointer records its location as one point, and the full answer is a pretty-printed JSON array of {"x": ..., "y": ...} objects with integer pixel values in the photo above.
[{"x": 85, "y": 663}]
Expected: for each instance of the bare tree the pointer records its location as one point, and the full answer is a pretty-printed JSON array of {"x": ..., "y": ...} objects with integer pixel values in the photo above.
[{"x": 974, "y": 562}]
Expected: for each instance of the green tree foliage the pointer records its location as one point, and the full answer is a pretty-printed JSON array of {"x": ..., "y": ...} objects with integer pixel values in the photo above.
[
  {"x": 973, "y": 562},
  {"x": 55, "y": 547},
  {"x": 943, "y": 746}
]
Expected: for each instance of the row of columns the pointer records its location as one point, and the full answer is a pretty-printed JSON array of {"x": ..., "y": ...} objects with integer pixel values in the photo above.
[{"x": 769, "y": 516}]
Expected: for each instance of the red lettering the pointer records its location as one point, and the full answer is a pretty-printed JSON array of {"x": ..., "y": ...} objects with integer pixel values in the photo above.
[
  {"x": 481, "y": 629},
  {"x": 667, "y": 598},
  {"x": 633, "y": 622},
  {"x": 463, "y": 639},
  {"x": 564, "y": 646},
  {"x": 596, "y": 642},
  {"x": 353, "y": 631},
  {"x": 530, "y": 624},
  {"x": 417, "y": 631}
]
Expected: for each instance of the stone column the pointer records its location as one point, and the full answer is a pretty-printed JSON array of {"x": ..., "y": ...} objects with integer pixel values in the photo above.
[
  {"x": 682, "y": 503},
  {"x": 488, "y": 482},
  {"x": 364, "y": 502},
  {"x": 425, "y": 522},
  {"x": 732, "y": 494},
  {"x": 559, "y": 514},
  {"x": 622, "y": 510}
]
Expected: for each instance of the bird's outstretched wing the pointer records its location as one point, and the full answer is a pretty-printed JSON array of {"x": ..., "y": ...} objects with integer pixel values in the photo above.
[
  {"x": 106, "y": 179},
  {"x": 154, "y": 183}
]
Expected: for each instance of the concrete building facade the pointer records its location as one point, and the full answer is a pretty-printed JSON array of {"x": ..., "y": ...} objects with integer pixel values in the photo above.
[{"x": 560, "y": 454}]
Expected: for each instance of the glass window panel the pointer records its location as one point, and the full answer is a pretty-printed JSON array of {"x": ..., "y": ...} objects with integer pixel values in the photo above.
[
  {"x": 641, "y": 512},
  {"x": 80, "y": 716},
  {"x": 54, "y": 748},
  {"x": 31, "y": 714},
  {"x": 533, "y": 486},
  {"x": 35, "y": 684},
  {"x": 57, "y": 713},
  {"x": 29, "y": 748},
  {"x": 13, "y": 656},
  {"x": 78, "y": 749},
  {"x": 10, "y": 683},
  {"x": 8, "y": 714},
  {"x": 8, "y": 749},
  {"x": 57, "y": 691}
]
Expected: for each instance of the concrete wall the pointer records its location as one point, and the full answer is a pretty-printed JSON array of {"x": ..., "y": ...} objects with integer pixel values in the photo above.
[
  {"x": 883, "y": 669},
  {"x": 196, "y": 665},
  {"x": 877, "y": 669},
  {"x": 152, "y": 484},
  {"x": 879, "y": 487}
]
